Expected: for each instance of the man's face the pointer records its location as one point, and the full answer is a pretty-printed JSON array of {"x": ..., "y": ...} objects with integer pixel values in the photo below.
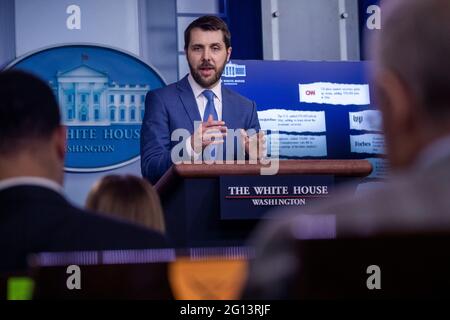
[{"x": 207, "y": 56}]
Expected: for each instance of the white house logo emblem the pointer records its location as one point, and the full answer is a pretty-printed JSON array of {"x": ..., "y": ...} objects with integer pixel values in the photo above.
[
  {"x": 234, "y": 70},
  {"x": 88, "y": 98},
  {"x": 101, "y": 93},
  {"x": 234, "y": 74}
]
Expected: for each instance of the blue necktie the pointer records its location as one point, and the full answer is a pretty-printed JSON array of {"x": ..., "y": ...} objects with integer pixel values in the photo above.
[{"x": 210, "y": 110}]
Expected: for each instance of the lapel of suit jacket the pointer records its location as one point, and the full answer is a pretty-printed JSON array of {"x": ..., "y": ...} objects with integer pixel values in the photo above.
[
  {"x": 227, "y": 107},
  {"x": 188, "y": 100},
  {"x": 230, "y": 121}
]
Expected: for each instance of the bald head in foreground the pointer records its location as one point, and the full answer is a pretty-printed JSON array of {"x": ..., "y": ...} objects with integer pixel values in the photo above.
[
  {"x": 34, "y": 214},
  {"x": 412, "y": 83}
]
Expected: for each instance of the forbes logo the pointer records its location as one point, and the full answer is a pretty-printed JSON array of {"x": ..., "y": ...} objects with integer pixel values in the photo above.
[{"x": 101, "y": 94}]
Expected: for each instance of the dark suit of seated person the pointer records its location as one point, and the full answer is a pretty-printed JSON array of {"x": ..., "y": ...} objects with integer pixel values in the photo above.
[{"x": 35, "y": 216}]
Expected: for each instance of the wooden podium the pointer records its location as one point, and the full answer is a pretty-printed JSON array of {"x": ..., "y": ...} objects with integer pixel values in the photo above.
[{"x": 190, "y": 196}]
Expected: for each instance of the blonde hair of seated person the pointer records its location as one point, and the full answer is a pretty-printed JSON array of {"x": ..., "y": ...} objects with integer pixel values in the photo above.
[{"x": 129, "y": 197}]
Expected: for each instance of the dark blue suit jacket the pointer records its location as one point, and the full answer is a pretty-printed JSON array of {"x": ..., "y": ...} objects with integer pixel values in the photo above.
[
  {"x": 36, "y": 219},
  {"x": 174, "y": 107}
]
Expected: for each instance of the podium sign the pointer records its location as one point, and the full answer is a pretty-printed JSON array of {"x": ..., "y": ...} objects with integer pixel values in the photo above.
[{"x": 250, "y": 197}]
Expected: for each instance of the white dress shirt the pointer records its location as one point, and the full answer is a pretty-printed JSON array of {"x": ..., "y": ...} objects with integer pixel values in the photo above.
[{"x": 201, "y": 101}]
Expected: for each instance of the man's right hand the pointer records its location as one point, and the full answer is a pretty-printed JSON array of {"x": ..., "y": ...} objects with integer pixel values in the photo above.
[{"x": 210, "y": 132}]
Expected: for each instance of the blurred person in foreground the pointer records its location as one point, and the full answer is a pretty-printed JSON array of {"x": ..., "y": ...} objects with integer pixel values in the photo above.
[
  {"x": 411, "y": 74},
  {"x": 34, "y": 213},
  {"x": 128, "y": 197}
]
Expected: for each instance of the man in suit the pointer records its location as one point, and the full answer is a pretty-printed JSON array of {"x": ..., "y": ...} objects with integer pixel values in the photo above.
[
  {"x": 198, "y": 105},
  {"x": 34, "y": 214},
  {"x": 412, "y": 81}
]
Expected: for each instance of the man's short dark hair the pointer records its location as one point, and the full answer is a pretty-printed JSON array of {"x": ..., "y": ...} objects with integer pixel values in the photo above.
[
  {"x": 28, "y": 110},
  {"x": 208, "y": 23}
]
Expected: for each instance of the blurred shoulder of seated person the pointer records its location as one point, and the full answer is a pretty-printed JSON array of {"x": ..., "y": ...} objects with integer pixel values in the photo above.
[
  {"x": 411, "y": 88},
  {"x": 128, "y": 197}
]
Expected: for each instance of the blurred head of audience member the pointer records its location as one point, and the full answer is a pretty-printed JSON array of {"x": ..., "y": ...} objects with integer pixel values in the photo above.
[
  {"x": 128, "y": 197},
  {"x": 32, "y": 141},
  {"x": 412, "y": 76},
  {"x": 411, "y": 71}
]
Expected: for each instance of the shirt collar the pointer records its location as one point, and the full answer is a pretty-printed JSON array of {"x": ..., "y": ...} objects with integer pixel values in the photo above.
[
  {"x": 198, "y": 90},
  {"x": 31, "y": 181}
]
